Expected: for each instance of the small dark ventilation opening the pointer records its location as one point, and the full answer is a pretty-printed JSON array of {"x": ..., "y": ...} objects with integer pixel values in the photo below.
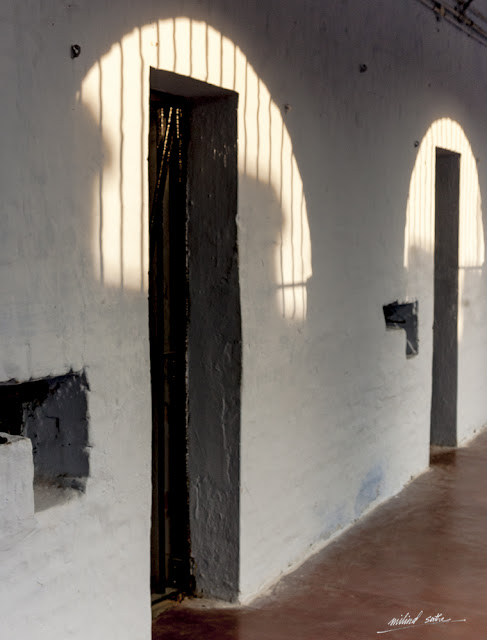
[
  {"x": 53, "y": 413},
  {"x": 404, "y": 316}
]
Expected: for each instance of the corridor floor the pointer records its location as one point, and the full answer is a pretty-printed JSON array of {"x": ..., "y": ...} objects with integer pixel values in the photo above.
[{"x": 423, "y": 551}]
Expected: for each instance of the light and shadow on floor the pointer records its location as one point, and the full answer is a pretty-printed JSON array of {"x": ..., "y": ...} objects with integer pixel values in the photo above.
[{"x": 423, "y": 551}]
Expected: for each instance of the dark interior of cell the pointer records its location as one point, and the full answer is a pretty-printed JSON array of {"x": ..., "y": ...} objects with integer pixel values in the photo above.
[
  {"x": 53, "y": 413},
  {"x": 404, "y": 316}
]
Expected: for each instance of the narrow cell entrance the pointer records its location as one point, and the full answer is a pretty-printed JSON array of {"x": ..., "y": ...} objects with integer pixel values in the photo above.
[
  {"x": 168, "y": 290},
  {"x": 445, "y": 332},
  {"x": 195, "y": 338}
]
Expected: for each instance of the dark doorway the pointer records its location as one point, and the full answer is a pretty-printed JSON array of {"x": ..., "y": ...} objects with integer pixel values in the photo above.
[
  {"x": 168, "y": 293},
  {"x": 445, "y": 332},
  {"x": 195, "y": 338}
]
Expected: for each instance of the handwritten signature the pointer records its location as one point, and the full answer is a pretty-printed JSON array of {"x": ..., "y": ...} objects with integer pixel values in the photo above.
[{"x": 408, "y": 622}]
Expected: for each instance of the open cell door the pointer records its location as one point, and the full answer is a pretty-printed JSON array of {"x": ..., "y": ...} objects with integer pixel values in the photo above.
[
  {"x": 195, "y": 338},
  {"x": 168, "y": 308}
]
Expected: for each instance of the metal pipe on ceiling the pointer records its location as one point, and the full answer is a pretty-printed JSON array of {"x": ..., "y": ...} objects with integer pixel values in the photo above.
[{"x": 456, "y": 16}]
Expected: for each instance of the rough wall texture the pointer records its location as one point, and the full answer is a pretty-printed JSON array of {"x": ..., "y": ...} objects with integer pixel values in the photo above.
[
  {"x": 58, "y": 429},
  {"x": 16, "y": 475},
  {"x": 214, "y": 348},
  {"x": 334, "y": 418}
]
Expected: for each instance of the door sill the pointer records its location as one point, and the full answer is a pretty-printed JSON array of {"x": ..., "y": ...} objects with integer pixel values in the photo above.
[
  {"x": 442, "y": 455},
  {"x": 168, "y": 594}
]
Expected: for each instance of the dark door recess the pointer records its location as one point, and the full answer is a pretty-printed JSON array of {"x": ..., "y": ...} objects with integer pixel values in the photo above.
[
  {"x": 195, "y": 337},
  {"x": 445, "y": 336},
  {"x": 168, "y": 308}
]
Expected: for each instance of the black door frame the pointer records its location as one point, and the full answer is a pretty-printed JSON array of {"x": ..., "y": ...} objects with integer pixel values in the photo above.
[{"x": 445, "y": 324}]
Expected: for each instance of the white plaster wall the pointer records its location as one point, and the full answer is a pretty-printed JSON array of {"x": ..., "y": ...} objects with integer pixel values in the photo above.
[
  {"x": 334, "y": 418},
  {"x": 353, "y": 423},
  {"x": 74, "y": 572},
  {"x": 16, "y": 480}
]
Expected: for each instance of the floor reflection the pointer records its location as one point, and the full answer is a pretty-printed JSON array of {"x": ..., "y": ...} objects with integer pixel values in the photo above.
[{"x": 423, "y": 551}]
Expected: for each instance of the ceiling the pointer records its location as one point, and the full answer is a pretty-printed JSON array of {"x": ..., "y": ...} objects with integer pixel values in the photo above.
[{"x": 470, "y": 16}]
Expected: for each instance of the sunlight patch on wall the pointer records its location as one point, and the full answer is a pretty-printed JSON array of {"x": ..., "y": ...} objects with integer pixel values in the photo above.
[
  {"x": 419, "y": 238},
  {"x": 116, "y": 91}
]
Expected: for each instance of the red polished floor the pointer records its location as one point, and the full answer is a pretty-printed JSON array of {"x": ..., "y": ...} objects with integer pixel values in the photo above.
[{"x": 425, "y": 550}]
